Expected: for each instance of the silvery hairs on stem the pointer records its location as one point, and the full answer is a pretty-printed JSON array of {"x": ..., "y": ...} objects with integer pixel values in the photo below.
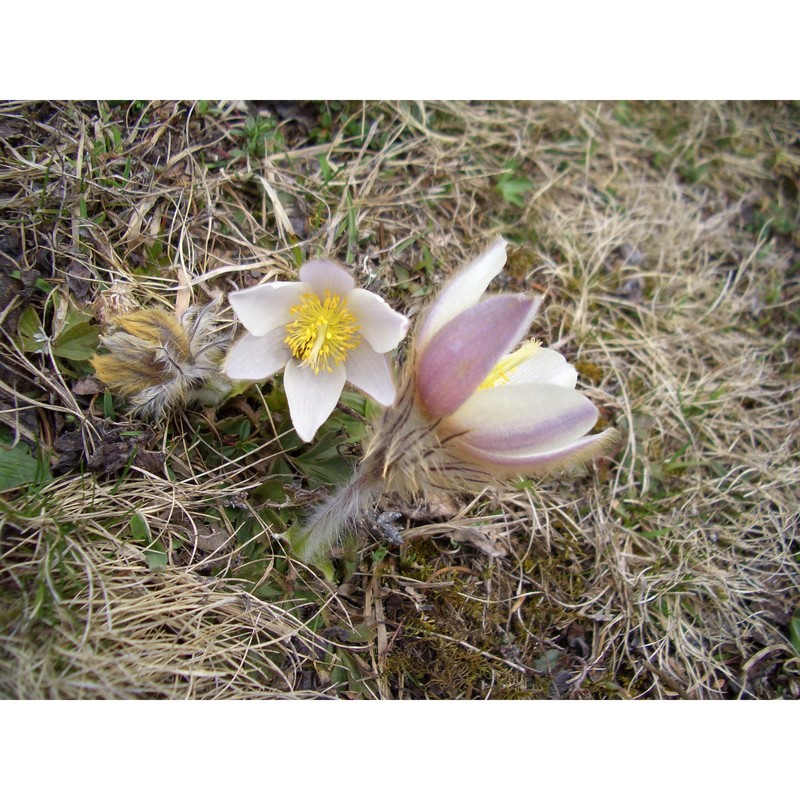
[{"x": 476, "y": 405}]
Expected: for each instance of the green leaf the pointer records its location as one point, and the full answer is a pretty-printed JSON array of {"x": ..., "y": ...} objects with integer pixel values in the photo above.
[
  {"x": 323, "y": 464},
  {"x": 155, "y": 552},
  {"x": 29, "y": 323},
  {"x": 654, "y": 534},
  {"x": 794, "y": 630},
  {"x": 41, "y": 284},
  {"x": 40, "y": 601},
  {"x": 30, "y": 331},
  {"x": 296, "y": 537},
  {"x": 77, "y": 343},
  {"x": 547, "y": 662},
  {"x": 271, "y": 491},
  {"x": 77, "y": 340},
  {"x": 363, "y": 633},
  {"x": 19, "y": 467},
  {"x": 513, "y": 189},
  {"x": 401, "y": 273},
  {"x": 266, "y": 591},
  {"x": 352, "y": 230},
  {"x": 327, "y": 170},
  {"x": 403, "y": 245},
  {"x": 358, "y": 402},
  {"x": 156, "y": 556},
  {"x": 108, "y": 405},
  {"x": 140, "y": 530}
]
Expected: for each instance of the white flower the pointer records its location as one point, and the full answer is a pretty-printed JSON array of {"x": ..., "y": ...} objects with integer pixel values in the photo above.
[{"x": 323, "y": 331}]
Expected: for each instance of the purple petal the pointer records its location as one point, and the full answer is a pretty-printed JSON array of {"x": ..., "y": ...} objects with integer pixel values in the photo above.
[
  {"x": 311, "y": 396},
  {"x": 264, "y": 308},
  {"x": 382, "y": 326},
  {"x": 526, "y": 417},
  {"x": 536, "y": 461},
  {"x": 463, "y": 352},
  {"x": 324, "y": 275},
  {"x": 255, "y": 358},
  {"x": 463, "y": 290},
  {"x": 369, "y": 371}
]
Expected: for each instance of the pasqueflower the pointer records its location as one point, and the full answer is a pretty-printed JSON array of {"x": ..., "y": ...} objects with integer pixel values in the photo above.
[
  {"x": 323, "y": 331},
  {"x": 157, "y": 361},
  {"x": 506, "y": 410},
  {"x": 473, "y": 407}
]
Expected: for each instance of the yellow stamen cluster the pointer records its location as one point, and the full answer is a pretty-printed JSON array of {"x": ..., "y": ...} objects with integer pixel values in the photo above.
[
  {"x": 504, "y": 368},
  {"x": 322, "y": 331}
]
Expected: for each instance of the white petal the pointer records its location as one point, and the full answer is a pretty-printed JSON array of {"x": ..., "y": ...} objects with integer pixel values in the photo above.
[
  {"x": 531, "y": 417},
  {"x": 545, "y": 366},
  {"x": 369, "y": 371},
  {"x": 463, "y": 290},
  {"x": 312, "y": 396},
  {"x": 264, "y": 308},
  {"x": 324, "y": 275},
  {"x": 382, "y": 326},
  {"x": 255, "y": 358}
]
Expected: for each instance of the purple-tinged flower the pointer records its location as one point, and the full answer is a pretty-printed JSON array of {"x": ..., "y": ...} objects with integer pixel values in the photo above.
[
  {"x": 324, "y": 332},
  {"x": 508, "y": 411}
]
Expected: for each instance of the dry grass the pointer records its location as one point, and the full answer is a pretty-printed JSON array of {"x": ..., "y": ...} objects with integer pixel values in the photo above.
[{"x": 665, "y": 238}]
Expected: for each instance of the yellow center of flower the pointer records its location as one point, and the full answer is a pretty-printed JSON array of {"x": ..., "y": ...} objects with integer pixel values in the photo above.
[
  {"x": 322, "y": 331},
  {"x": 504, "y": 368}
]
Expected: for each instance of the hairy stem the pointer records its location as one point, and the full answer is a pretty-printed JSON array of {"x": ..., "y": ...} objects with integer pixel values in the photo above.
[{"x": 331, "y": 519}]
